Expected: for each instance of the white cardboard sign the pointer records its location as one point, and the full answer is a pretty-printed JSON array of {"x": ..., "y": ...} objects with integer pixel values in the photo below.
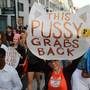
[
  {"x": 12, "y": 57},
  {"x": 57, "y": 35}
]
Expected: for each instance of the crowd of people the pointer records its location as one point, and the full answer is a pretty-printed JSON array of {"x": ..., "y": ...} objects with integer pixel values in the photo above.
[{"x": 59, "y": 75}]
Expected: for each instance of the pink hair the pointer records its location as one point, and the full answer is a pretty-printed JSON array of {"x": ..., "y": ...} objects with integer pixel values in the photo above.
[{"x": 17, "y": 36}]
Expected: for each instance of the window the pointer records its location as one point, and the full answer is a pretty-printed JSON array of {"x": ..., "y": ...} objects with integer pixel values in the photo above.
[
  {"x": 3, "y": 22},
  {"x": 13, "y": 21},
  {"x": 3, "y": 3},
  {"x": 12, "y": 3},
  {"x": 20, "y": 7}
]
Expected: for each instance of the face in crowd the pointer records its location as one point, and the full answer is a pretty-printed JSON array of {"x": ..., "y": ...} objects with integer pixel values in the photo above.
[{"x": 16, "y": 39}]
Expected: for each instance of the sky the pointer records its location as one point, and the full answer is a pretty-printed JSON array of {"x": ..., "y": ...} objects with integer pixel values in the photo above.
[{"x": 81, "y": 3}]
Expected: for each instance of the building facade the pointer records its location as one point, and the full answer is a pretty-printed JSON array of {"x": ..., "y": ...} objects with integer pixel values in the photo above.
[
  {"x": 15, "y": 12},
  {"x": 55, "y": 5}
]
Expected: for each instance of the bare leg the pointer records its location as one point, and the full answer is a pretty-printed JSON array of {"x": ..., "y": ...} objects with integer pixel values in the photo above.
[
  {"x": 37, "y": 76},
  {"x": 30, "y": 80}
]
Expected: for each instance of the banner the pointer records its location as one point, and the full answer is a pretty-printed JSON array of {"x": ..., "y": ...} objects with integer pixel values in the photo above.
[{"x": 59, "y": 35}]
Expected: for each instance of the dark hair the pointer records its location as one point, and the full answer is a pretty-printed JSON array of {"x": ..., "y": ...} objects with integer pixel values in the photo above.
[
  {"x": 2, "y": 52},
  {"x": 3, "y": 38},
  {"x": 9, "y": 27}
]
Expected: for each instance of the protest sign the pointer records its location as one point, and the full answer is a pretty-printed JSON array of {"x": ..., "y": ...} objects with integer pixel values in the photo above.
[
  {"x": 58, "y": 35},
  {"x": 12, "y": 57}
]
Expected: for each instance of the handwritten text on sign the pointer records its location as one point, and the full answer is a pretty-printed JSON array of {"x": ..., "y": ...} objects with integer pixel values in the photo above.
[{"x": 57, "y": 36}]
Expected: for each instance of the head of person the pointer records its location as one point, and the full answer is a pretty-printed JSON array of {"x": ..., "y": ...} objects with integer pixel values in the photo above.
[
  {"x": 2, "y": 56},
  {"x": 23, "y": 36},
  {"x": 9, "y": 29},
  {"x": 16, "y": 39}
]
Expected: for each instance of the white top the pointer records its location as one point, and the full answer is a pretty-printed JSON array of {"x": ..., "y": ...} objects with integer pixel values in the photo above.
[
  {"x": 4, "y": 47},
  {"x": 9, "y": 79}
]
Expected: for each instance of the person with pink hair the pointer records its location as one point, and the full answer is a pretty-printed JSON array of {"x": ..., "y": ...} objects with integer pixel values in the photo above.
[{"x": 21, "y": 50}]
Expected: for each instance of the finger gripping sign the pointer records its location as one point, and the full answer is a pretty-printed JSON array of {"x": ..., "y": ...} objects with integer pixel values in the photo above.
[{"x": 56, "y": 35}]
